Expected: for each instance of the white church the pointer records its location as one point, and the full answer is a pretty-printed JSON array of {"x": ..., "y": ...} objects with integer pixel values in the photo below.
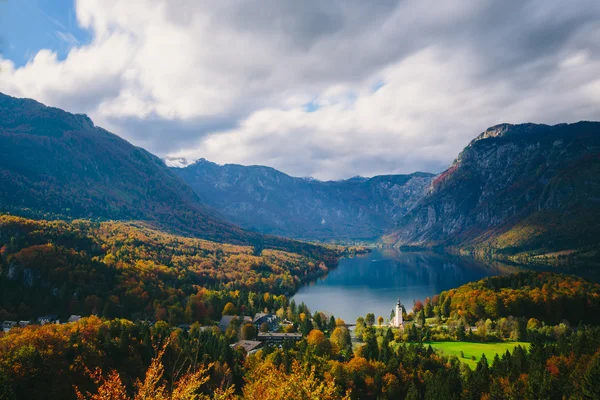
[{"x": 398, "y": 321}]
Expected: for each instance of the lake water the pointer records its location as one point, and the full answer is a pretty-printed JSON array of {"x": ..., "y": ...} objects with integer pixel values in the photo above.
[{"x": 373, "y": 282}]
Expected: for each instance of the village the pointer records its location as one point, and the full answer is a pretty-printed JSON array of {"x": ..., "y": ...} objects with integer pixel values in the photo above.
[{"x": 255, "y": 332}]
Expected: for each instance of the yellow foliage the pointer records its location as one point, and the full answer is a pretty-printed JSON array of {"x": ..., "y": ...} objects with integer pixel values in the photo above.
[{"x": 268, "y": 382}]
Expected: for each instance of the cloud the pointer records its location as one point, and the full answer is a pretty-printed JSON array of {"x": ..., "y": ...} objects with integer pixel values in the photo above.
[
  {"x": 329, "y": 89},
  {"x": 67, "y": 37}
]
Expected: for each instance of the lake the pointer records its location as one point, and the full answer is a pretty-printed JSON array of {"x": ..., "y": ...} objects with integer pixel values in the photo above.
[{"x": 373, "y": 282}]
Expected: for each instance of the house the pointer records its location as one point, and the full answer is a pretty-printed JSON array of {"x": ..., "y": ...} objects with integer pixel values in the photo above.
[
  {"x": 48, "y": 319},
  {"x": 23, "y": 324},
  {"x": 74, "y": 318},
  {"x": 8, "y": 325},
  {"x": 250, "y": 346},
  {"x": 184, "y": 327},
  {"x": 278, "y": 338},
  {"x": 226, "y": 321},
  {"x": 262, "y": 318}
]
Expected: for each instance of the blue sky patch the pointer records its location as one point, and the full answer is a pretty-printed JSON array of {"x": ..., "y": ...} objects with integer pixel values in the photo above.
[
  {"x": 311, "y": 106},
  {"x": 27, "y": 26}
]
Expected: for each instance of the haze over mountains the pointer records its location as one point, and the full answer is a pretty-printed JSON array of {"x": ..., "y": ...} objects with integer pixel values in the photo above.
[{"x": 515, "y": 188}]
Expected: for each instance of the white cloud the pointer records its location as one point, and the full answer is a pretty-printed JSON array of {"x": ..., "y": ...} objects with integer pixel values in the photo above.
[{"x": 230, "y": 81}]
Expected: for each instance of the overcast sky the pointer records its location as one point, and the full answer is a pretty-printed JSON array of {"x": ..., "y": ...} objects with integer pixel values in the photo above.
[{"x": 329, "y": 89}]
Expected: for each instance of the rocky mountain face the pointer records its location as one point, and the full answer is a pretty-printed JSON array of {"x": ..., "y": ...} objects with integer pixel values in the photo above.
[
  {"x": 54, "y": 164},
  {"x": 269, "y": 201},
  {"x": 514, "y": 188}
]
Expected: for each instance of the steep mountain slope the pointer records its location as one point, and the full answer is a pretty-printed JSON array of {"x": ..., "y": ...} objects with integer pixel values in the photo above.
[
  {"x": 264, "y": 199},
  {"x": 514, "y": 189},
  {"x": 57, "y": 164}
]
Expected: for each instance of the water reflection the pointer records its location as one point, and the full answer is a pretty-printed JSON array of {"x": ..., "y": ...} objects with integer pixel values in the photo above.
[{"x": 373, "y": 282}]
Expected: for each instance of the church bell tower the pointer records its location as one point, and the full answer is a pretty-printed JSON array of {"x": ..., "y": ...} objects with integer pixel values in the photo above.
[{"x": 398, "y": 321}]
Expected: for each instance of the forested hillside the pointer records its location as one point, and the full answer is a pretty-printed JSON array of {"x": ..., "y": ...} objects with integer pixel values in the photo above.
[
  {"x": 548, "y": 297},
  {"x": 130, "y": 270}
]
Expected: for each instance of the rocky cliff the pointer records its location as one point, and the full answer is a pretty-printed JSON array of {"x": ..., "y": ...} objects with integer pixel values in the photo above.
[{"x": 514, "y": 188}]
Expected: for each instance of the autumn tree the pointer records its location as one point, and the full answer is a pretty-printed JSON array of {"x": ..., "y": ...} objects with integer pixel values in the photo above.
[
  {"x": 269, "y": 382},
  {"x": 318, "y": 342},
  {"x": 342, "y": 341},
  {"x": 229, "y": 309},
  {"x": 248, "y": 332},
  {"x": 153, "y": 387}
]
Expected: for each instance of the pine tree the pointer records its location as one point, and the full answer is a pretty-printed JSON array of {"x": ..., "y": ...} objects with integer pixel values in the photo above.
[
  {"x": 590, "y": 385},
  {"x": 332, "y": 324},
  {"x": 413, "y": 393}
]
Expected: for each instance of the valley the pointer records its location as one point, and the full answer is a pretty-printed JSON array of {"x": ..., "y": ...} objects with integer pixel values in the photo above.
[
  {"x": 299, "y": 200},
  {"x": 114, "y": 262},
  {"x": 372, "y": 283}
]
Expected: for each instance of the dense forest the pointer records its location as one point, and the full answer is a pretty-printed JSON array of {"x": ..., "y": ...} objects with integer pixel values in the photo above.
[
  {"x": 151, "y": 301},
  {"x": 130, "y": 270},
  {"x": 118, "y": 359}
]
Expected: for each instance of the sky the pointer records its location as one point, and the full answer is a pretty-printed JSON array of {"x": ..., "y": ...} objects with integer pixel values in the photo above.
[{"x": 328, "y": 89}]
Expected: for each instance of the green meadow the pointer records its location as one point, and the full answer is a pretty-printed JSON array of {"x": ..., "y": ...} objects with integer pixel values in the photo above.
[{"x": 471, "y": 349}]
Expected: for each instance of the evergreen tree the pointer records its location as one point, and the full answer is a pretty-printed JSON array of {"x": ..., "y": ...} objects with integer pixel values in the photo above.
[
  {"x": 479, "y": 381},
  {"x": 332, "y": 325},
  {"x": 413, "y": 393},
  {"x": 590, "y": 384},
  {"x": 421, "y": 318},
  {"x": 6, "y": 390},
  {"x": 370, "y": 350},
  {"x": 428, "y": 309},
  {"x": 370, "y": 319},
  {"x": 460, "y": 332},
  {"x": 446, "y": 307}
]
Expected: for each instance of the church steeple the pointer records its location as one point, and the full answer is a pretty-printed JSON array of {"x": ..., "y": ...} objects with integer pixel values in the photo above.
[{"x": 398, "y": 320}]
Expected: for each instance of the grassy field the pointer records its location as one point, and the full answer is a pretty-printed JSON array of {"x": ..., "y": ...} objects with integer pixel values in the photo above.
[{"x": 475, "y": 349}]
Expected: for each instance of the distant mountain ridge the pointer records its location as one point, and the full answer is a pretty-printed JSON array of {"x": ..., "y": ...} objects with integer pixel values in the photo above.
[
  {"x": 514, "y": 189},
  {"x": 267, "y": 200}
]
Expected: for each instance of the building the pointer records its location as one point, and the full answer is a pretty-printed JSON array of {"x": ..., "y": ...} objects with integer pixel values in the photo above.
[
  {"x": 227, "y": 319},
  {"x": 398, "y": 322},
  {"x": 47, "y": 319},
  {"x": 250, "y": 346},
  {"x": 278, "y": 338},
  {"x": 262, "y": 318},
  {"x": 74, "y": 318},
  {"x": 8, "y": 325}
]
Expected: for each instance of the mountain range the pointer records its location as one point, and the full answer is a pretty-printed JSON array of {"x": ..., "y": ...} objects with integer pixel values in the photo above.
[
  {"x": 514, "y": 189},
  {"x": 54, "y": 164},
  {"x": 264, "y": 199}
]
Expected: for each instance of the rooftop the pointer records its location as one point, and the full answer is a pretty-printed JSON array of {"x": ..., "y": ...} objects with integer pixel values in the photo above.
[{"x": 247, "y": 345}]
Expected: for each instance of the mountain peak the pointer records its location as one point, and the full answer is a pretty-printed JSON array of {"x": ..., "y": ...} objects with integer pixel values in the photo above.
[
  {"x": 31, "y": 116},
  {"x": 505, "y": 129},
  {"x": 178, "y": 162}
]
